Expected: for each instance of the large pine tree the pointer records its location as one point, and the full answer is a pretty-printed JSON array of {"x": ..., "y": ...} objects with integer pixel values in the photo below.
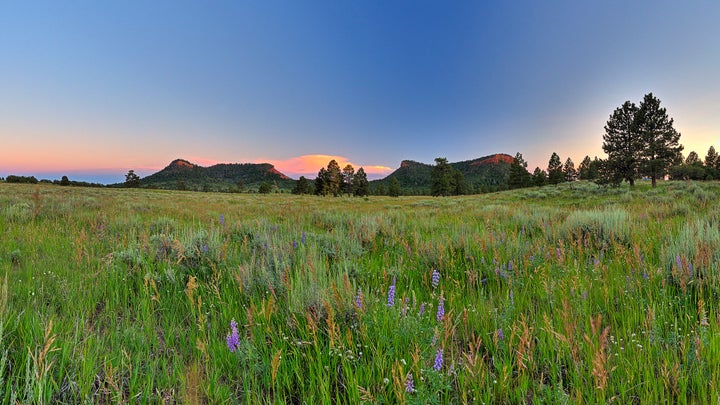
[
  {"x": 660, "y": 140},
  {"x": 442, "y": 178},
  {"x": 623, "y": 145}
]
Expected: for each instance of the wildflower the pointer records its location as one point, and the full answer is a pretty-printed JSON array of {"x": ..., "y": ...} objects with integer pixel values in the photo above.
[
  {"x": 438, "y": 360},
  {"x": 222, "y": 220},
  {"x": 422, "y": 309},
  {"x": 441, "y": 309},
  {"x": 645, "y": 275},
  {"x": 500, "y": 334},
  {"x": 435, "y": 279},
  {"x": 302, "y": 239},
  {"x": 409, "y": 383},
  {"x": 358, "y": 299},
  {"x": 391, "y": 293},
  {"x": 405, "y": 307},
  {"x": 233, "y": 338},
  {"x": 678, "y": 260},
  {"x": 294, "y": 244}
]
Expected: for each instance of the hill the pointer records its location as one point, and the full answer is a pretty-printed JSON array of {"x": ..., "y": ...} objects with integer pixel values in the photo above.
[
  {"x": 485, "y": 174},
  {"x": 183, "y": 175}
]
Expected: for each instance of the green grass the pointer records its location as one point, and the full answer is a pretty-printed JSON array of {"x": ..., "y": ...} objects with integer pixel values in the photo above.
[{"x": 563, "y": 294}]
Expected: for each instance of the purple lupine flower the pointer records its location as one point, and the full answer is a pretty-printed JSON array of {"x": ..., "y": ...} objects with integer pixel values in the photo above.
[
  {"x": 233, "y": 338},
  {"x": 422, "y": 309},
  {"x": 303, "y": 238},
  {"x": 391, "y": 293},
  {"x": 435, "y": 279},
  {"x": 294, "y": 244},
  {"x": 678, "y": 260},
  {"x": 222, "y": 220},
  {"x": 500, "y": 334},
  {"x": 512, "y": 297},
  {"x": 441, "y": 309},
  {"x": 205, "y": 248},
  {"x": 510, "y": 266},
  {"x": 409, "y": 383},
  {"x": 438, "y": 360},
  {"x": 645, "y": 275},
  {"x": 596, "y": 261},
  {"x": 358, "y": 299}
]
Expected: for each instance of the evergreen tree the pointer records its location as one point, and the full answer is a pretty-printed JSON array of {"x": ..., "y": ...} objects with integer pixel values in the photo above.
[
  {"x": 264, "y": 188},
  {"x": 584, "y": 168},
  {"x": 333, "y": 181},
  {"x": 320, "y": 182},
  {"x": 623, "y": 145},
  {"x": 302, "y": 186},
  {"x": 348, "y": 174},
  {"x": 711, "y": 164},
  {"x": 360, "y": 184},
  {"x": 569, "y": 170},
  {"x": 555, "y": 170},
  {"x": 694, "y": 169},
  {"x": 519, "y": 176},
  {"x": 459, "y": 184},
  {"x": 442, "y": 178},
  {"x": 132, "y": 179},
  {"x": 394, "y": 187},
  {"x": 64, "y": 181},
  {"x": 659, "y": 137},
  {"x": 539, "y": 177}
]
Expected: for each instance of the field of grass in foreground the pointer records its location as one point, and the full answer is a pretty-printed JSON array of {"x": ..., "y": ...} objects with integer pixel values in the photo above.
[{"x": 568, "y": 294}]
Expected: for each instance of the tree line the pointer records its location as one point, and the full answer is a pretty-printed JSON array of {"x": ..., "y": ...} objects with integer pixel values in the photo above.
[
  {"x": 331, "y": 180},
  {"x": 640, "y": 142}
]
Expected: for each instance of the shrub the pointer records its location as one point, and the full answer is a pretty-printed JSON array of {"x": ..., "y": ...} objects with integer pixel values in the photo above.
[{"x": 600, "y": 227}]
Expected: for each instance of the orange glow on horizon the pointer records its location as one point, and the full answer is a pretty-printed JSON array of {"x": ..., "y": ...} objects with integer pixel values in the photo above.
[{"x": 309, "y": 165}]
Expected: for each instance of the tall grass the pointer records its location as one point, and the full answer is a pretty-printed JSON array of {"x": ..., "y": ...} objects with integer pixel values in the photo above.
[{"x": 566, "y": 294}]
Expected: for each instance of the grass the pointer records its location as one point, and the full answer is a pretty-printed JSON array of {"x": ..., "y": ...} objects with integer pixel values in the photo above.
[{"x": 564, "y": 294}]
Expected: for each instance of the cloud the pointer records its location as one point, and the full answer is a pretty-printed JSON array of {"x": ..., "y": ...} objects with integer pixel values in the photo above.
[{"x": 309, "y": 165}]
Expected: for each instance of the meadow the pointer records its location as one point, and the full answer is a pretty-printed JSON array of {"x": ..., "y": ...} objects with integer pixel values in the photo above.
[{"x": 562, "y": 294}]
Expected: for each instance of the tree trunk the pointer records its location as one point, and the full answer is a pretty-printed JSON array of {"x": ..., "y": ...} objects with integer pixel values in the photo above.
[
  {"x": 654, "y": 182},
  {"x": 632, "y": 182}
]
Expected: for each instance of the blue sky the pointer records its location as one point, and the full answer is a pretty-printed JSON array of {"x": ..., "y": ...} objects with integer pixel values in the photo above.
[{"x": 93, "y": 89}]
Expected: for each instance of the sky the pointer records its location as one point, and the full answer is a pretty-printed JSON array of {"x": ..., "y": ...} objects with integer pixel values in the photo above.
[{"x": 92, "y": 89}]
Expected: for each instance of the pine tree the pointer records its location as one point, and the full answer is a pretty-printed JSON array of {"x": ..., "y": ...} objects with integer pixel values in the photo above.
[
  {"x": 555, "y": 170},
  {"x": 711, "y": 163},
  {"x": 519, "y": 176},
  {"x": 659, "y": 137},
  {"x": 347, "y": 179},
  {"x": 569, "y": 170},
  {"x": 584, "y": 168},
  {"x": 302, "y": 186},
  {"x": 623, "y": 145},
  {"x": 320, "y": 182},
  {"x": 333, "y": 181},
  {"x": 394, "y": 187},
  {"x": 132, "y": 179},
  {"x": 539, "y": 177},
  {"x": 442, "y": 178},
  {"x": 360, "y": 184}
]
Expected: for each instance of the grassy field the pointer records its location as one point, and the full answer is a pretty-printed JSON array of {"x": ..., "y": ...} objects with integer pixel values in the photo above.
[{"x": 567, "y": 294}]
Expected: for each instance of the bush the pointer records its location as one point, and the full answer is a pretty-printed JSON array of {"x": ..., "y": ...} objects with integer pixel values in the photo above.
[{"x": 600, "y": 227}]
